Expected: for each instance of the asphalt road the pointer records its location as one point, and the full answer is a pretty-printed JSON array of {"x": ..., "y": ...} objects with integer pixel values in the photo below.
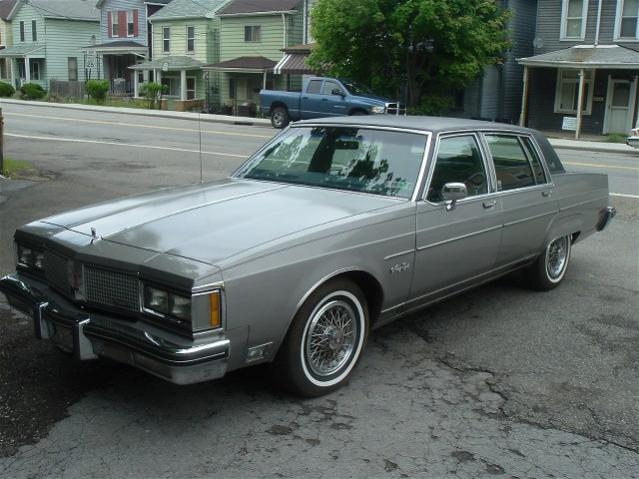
[{"x": 498, "y": 382}]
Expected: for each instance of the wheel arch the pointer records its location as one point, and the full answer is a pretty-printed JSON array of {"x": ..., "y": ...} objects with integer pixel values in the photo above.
[
  {"x": 277, "y": 104},
  {"x": 357, "y": 109}
]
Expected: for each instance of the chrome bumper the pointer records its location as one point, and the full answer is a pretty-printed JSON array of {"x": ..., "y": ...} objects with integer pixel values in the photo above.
[
  {"x": 605, "y": 216},
  {"x": 89, "y": 335}
]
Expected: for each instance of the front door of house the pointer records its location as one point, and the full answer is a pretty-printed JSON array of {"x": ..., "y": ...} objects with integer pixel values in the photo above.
[{"x": 619, "y": 106}]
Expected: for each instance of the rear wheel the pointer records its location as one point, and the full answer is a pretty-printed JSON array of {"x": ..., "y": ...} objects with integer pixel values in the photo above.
[
  {"x": 279, "y": 117},
  {"x": 325, "y": 341},
  {"x": 550, "y": 268}
]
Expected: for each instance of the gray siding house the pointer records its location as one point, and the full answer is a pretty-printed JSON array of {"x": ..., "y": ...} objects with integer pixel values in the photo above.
[
  {"x": 496, "y": 95},
  {"x": 586, "y": 53}
]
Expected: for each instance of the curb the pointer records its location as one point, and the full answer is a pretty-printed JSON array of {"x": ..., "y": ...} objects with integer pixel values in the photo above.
[
  {"x": 207, "y": 117},
  {"x": 594, "y": 147}
]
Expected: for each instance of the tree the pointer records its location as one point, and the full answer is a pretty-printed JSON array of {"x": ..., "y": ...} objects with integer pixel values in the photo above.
[
  {"x": 153, "y": 91},
  {"x": 428, "y": 47}
]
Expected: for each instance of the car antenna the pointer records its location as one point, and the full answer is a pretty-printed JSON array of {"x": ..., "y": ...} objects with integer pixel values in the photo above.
[{"x": 199, "y": 127}]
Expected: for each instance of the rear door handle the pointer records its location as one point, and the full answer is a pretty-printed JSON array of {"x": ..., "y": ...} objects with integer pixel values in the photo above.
[
  {"x": 546, "y": 194},
  {"x": 489, "y": 204}
]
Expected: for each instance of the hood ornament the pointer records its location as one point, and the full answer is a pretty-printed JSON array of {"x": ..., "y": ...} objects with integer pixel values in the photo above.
[{"x": 94, "y": 235}]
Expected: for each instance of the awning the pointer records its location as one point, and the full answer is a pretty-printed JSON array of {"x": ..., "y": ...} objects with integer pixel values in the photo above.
[
  {"x": 125, "y": 47},
  {"x": 169, "y": 64},
  {"x": 243, "y": 65},
  {"x": 587, "y": 57},
  {"x": 20, "y": 51}
]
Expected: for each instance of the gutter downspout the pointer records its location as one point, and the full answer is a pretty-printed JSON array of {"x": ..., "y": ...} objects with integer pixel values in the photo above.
[
  {"x": 285, "y": 35},
  {"x": 598, "y": 23}
]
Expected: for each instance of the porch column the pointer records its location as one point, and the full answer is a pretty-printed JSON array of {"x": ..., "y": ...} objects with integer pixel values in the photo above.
[
  {"x": 264, "y": 80},
  {"x": 580, "y": 102},
  {"x": 158, "y": 76},
  {"x": 183, "y": 84},
  {"x": 524, "y": 99},
  {"x": 27, "y": 70},
  {"x": 13, "y": 75},
  {"x": 136, "y": 82}
]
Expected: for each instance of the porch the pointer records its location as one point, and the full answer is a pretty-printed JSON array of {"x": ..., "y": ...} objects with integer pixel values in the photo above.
[
  {"x": 583, "y": 90},
  {"x": 25, "y": 64},
  {"x": 116, "y": 58}
]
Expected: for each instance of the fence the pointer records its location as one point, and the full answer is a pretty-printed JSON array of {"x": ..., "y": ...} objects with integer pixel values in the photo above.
[{"x": 66, "y": 89}]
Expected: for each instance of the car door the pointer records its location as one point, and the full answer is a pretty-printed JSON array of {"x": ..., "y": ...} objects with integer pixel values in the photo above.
[
  {"x": 455, "y": 246},
  {"x": 331, "y": 104},
  {"x": 311, "y": 101},
  {"x": 525, "y": 193}
]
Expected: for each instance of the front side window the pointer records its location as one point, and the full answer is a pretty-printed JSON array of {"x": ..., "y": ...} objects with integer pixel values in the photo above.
[
  {"x": 130, "y": 23},
  {"x": 115, "y": 27},
  {"x": 573, "y": 22},
  {"x": 73, "y": 68},
  {"x": 21, "y": 31},
  {"x": 190, "y": 88},
  {"x": 329, "y": 86},
  {"x": 627, "y": 16},
  {"x": 252, "y": 33},
  {"x": 512, "y": 167},
  {"x": 166, "y": 39},
  {"x": 34, "y": 30},
  {"x": 190, "y": 39},
  {"x": 459, "y": 160},
  {"x": 355, "y": 159},
  {"x": 567, "y": 94}
]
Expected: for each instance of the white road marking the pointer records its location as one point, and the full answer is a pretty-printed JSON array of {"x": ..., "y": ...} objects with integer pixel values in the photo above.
[
  {"x": 596, "y": 165},
  {"x": 622, "y": 195},
  {"x": 128, "y": 145}
]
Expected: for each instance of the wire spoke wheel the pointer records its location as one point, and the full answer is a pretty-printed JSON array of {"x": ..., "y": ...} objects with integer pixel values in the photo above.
[{"x": 557, "y": 258}]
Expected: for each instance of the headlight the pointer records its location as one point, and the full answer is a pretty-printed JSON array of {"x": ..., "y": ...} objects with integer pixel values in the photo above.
[
  {"x": 378, "y": 109},
  {"x": 31, "y": 258},
  {"x": 166, "y": 303}
]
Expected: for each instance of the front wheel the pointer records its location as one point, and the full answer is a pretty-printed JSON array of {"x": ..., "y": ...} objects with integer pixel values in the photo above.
[
  {"x": 550, "y": 268},
  {"x": 325, "y": 341},
  {"x": 279, "y": 117}
]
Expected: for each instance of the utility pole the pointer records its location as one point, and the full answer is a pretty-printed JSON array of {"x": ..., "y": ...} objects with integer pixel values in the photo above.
[{"x": 1, "y": 142}]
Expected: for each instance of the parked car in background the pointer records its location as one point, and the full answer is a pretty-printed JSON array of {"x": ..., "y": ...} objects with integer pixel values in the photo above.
[
  {"x": 325, "y": 97},
  {"x": 334, "y": 227}
]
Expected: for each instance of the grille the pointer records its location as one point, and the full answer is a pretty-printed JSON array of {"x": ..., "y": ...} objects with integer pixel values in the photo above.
[
  {"x": 395, "y": 109},
  {"x": 56, "y": 271},
  {"x": 111, "y": 289}
]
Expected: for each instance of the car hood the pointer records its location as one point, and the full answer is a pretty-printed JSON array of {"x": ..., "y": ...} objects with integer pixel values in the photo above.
[
  {"x": 216, "y": 221},
  {"x": 372, "y": 99}
]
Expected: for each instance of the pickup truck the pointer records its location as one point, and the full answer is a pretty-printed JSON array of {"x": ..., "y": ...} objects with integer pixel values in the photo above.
[{"x": 324, "y": 97}]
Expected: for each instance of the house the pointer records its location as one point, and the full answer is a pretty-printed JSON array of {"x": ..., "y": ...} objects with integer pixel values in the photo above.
[
  {"x": 186, "y": 36},
  {"x": 496, "y": 94},
  {"x": 252, "y": 36},
  {"x": 6, "y": 38},
  {"x": 124, "y": 40},
  {"x": 48, "y": 36},
  {"x": 583, "y": 74}
]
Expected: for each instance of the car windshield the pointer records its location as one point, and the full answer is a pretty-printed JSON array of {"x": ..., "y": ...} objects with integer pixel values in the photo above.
[
  {"x": 357, "y": 88},
  {"x": 348, "y": 158}
]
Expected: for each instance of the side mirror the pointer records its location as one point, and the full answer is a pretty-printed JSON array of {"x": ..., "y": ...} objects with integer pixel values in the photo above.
[
  {"x": 337, "y": 91},
  {"x": 452, "y": 192}
]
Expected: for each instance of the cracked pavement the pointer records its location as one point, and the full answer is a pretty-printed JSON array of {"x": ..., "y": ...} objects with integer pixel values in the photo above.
[{"x": 498, "y": 382}]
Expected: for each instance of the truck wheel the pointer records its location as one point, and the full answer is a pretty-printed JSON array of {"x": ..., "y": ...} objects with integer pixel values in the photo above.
[
  {"x": 325, "y": 340},
  {"x": 359, "y": 113},
  {"x": 550, "y": 268},
  {"x": 279, "y": 117}
]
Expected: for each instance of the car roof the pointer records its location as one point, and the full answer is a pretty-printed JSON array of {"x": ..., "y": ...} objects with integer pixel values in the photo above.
[{"x": 435, "y": 124}]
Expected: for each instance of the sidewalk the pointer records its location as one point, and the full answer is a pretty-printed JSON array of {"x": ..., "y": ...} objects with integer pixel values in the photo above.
[{"x": 559, "y": 143}]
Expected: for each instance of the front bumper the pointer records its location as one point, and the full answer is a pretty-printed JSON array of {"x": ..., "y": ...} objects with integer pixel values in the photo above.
[
  {"x": 605, "y": 217},
  {"x": 89, "y": 335}
]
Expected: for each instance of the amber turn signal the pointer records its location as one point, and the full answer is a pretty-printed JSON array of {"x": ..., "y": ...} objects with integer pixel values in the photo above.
[{"x": 216, "y": 316}]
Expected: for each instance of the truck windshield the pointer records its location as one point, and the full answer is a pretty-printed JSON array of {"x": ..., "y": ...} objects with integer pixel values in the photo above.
[
  {"x": 356, "y": 88},
  {"x": 347, "y": 158}
]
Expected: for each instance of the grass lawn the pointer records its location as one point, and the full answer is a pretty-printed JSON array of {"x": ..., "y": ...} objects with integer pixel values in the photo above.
[
  {"x": 616, "y": 138},
  {"x": 115, "y": 102},
  {"x": 12, "y": 168}
]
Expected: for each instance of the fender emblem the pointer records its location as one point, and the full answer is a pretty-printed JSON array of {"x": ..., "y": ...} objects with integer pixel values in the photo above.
[{"x": 400, "y": 267}]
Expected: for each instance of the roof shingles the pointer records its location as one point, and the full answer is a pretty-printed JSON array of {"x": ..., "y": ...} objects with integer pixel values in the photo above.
[{"x": 236, "y": 7}]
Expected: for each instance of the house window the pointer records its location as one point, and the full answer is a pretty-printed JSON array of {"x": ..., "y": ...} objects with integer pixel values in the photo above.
[
  {"x": 567, "y": 93},
  {"x": 35, "y": 71},
  {"x": 22, "y": 31},
  {"x": 34, "y": 31},
  {"x": 73, "y": 68},
  {"x": 166, "y": 39},
  {"x": 130, "y": 24},
  {"x": 173, "y": 86},
  {"x": 115, "y": 27},
  {"x": 573, "y": 19},
  {"x": 190, "y": 88},
  {"x": 627, "y": 19},
  {"x": 252, "y": 33},
  {"x": 190, "y": 39}
]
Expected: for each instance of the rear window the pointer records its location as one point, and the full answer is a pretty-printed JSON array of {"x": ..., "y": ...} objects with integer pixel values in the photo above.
[{"x": 550, "y": 155}]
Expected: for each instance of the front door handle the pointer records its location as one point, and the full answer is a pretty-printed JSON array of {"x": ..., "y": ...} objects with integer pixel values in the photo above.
[
  {"x": 489, "y": 204},
  {"x": 546, "y": 194}
]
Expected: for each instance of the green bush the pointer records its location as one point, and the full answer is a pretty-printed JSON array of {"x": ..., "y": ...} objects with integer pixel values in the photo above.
[
  {"x": 98, "y": 89},
  {"x": 6, "y": 90},
  {"x": 153, "y": 91},
  {"x": 32, "y": 91}
]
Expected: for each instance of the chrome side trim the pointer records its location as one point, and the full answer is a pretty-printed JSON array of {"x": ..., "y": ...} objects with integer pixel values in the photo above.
[
  {"x": 397, "y": 255},
  {"x": 574, "y": 205},
  {"x": 207, "y": 288},
  {"x": 530, "y": 218},
  {"x": 456, "y": 238}
]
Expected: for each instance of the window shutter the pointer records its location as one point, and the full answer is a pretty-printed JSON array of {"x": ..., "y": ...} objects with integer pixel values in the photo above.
[
  {"x": 121, "y": 23},
  {"x": 136, "y": 30},
  {"x": 109, "y": 24}
]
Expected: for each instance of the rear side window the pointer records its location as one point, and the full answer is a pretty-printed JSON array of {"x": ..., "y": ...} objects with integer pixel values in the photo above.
[
  {"x": 314, "y": 86},
  {"x": 538, "y": 170},
  {"x": 459, "y": 160},
  {"x": 511, "y": 164}
]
